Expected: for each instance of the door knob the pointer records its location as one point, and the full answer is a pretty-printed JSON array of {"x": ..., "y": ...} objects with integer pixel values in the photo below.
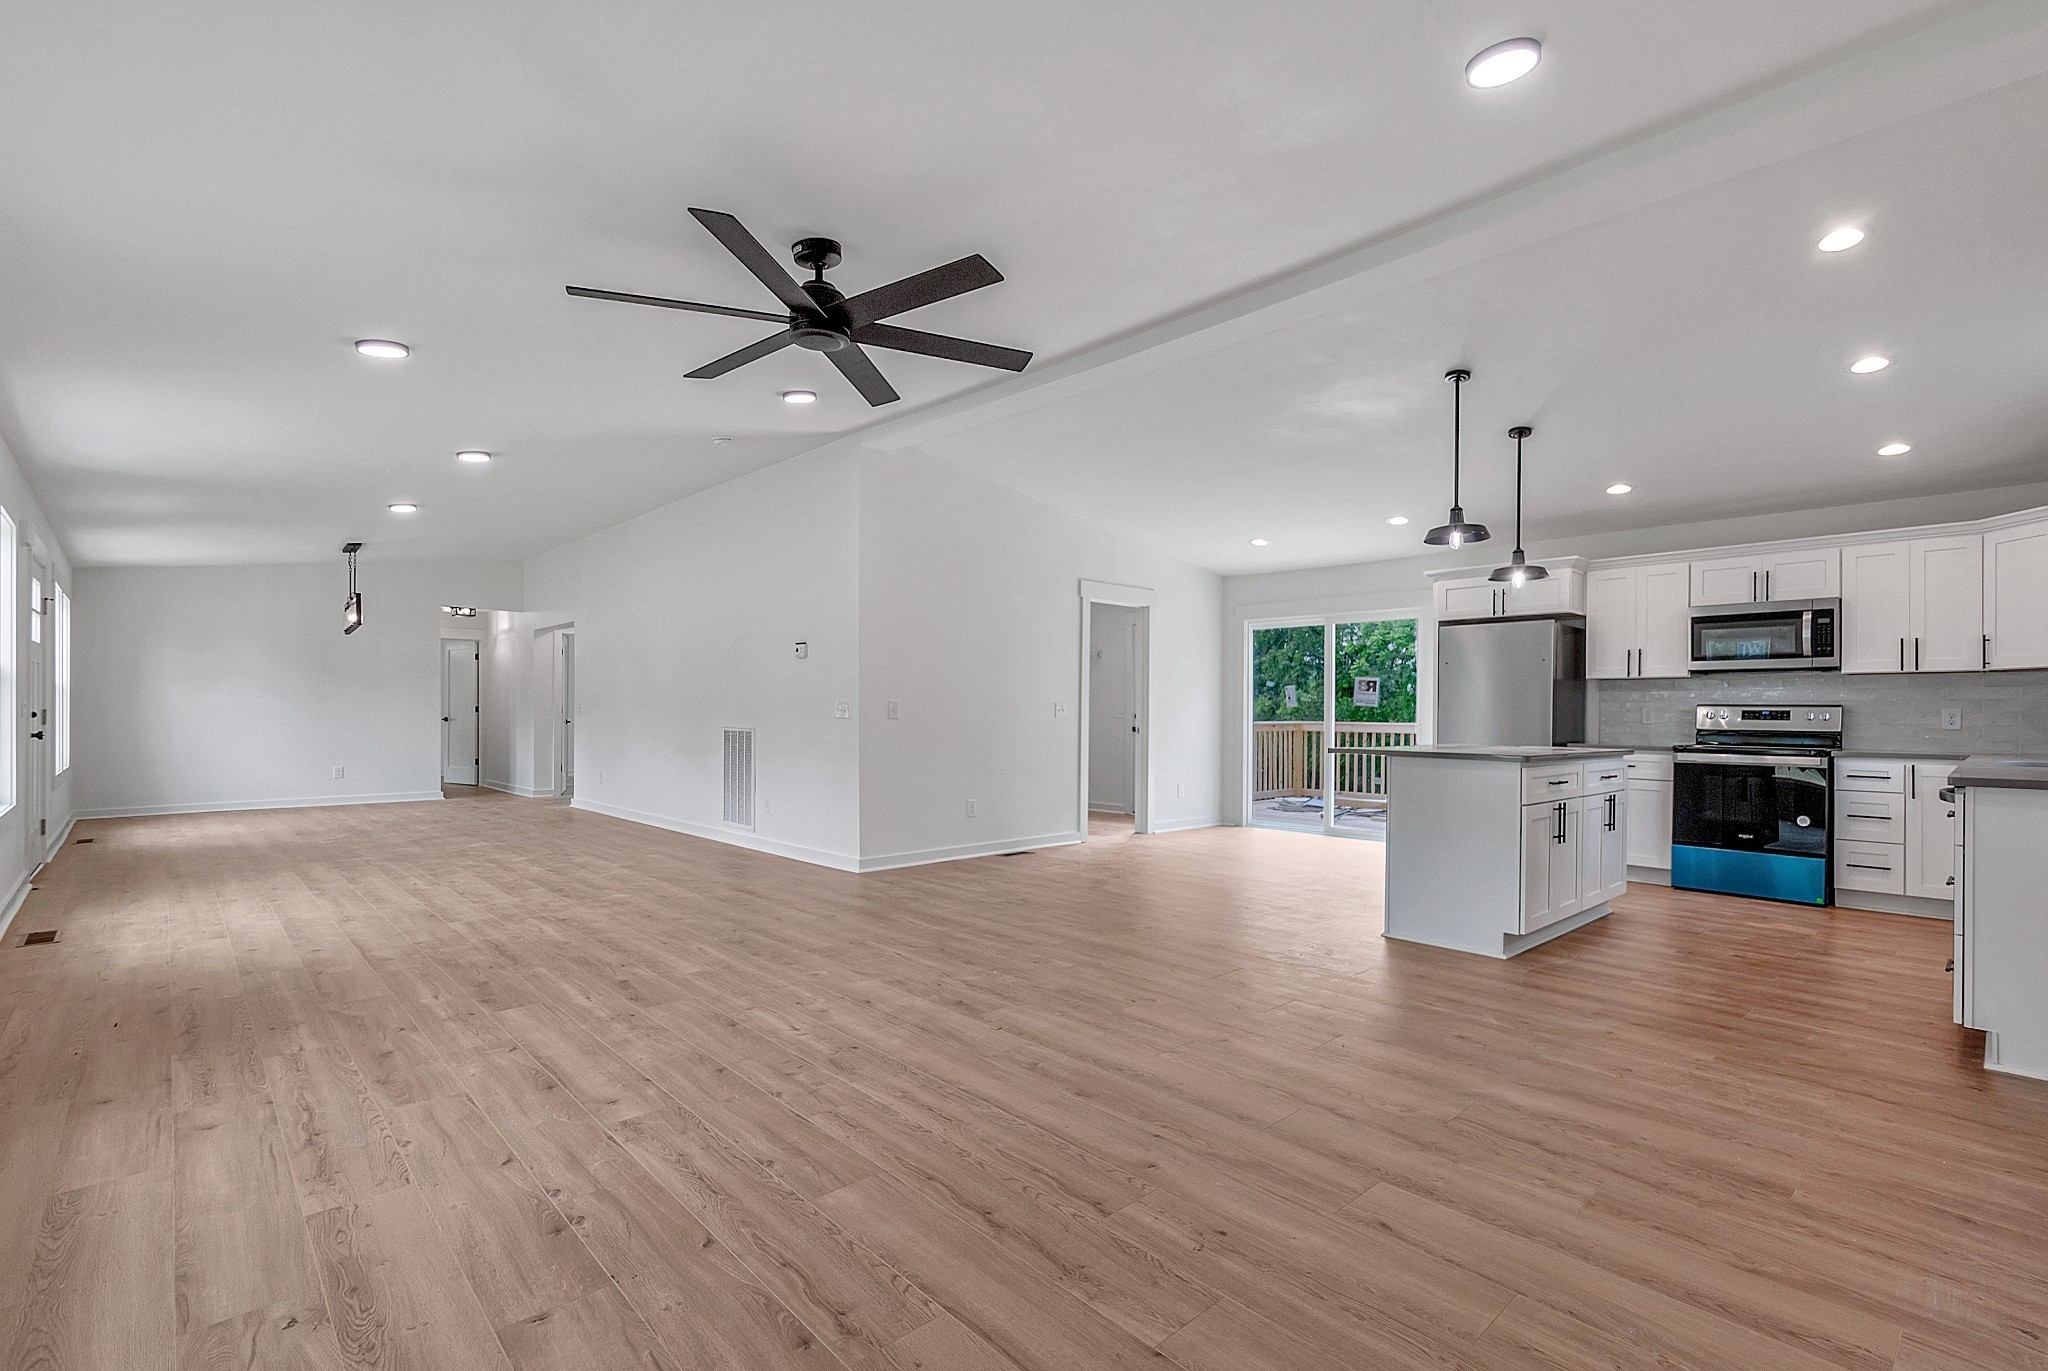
[
  {"x": 444, "y": 718},
  {"x": 37, "y": 734}
]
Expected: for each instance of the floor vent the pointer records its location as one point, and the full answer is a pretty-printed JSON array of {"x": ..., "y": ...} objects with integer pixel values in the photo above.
[
  {"x": 41, "y": 935},
  {"x": 83, "y": 841},
  {"x": 739, "y": 777}
]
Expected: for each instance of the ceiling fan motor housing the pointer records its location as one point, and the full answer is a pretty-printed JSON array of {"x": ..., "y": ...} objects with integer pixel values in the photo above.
[{"x": 827, "y": 332}]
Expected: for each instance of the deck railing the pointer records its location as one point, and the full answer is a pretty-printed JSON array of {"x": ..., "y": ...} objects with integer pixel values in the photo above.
[{"x": 1288, "y": 759}]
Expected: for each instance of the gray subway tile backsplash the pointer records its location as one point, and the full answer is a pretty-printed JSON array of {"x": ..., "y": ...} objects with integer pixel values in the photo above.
[{"x": 2004, "y": 712}]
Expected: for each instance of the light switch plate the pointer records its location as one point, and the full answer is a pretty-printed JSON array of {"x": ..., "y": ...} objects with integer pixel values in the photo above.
[
  {"x": 338, "y": 771},
  {"x": 803, "y": 650},
  {"x": 972, "y": 809},
  {"x": 895, "y": 709}
]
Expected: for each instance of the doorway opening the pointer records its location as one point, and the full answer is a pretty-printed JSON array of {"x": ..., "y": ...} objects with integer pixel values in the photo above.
[
  {"x": 1338, "y": 682},
  {"x": 36, "y": 798},
  {"x": 1115, "y": 727},
  {"x": 563, "y": 652},
  {"x": 461, "y": 711}
]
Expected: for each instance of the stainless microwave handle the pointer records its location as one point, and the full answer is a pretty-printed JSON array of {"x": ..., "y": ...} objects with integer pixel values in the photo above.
[{"x": 1805, "y": 632}]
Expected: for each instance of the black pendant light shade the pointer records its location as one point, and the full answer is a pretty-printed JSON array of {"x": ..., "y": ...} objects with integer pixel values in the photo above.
[
  {"x": 1519, "y": 568},
  {"x": 1457, "y": 532}
]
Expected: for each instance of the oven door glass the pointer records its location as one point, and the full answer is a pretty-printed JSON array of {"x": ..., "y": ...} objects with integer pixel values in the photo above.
[
  {"x": 1761, "y": 808},
  {"x": 1749, "y": 637}
]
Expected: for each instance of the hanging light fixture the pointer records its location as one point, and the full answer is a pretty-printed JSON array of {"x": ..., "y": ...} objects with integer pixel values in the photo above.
[
  {"x": 1519, "y": 568},
  {"x": 352, "y": 607},
  {"x": 1457, "y": 532}
]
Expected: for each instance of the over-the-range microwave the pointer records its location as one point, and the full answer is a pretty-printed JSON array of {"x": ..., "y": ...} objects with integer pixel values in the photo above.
[{"x": 1778, "y": 635}]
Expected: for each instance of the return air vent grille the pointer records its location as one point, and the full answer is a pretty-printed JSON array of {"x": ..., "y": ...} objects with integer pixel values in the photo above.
[{"x": 739, "y": 777}]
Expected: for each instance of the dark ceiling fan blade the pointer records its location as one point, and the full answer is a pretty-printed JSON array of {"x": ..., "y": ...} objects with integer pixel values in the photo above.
[
  {"x": 756, "y": 259},
  {"x": 589, "y": 293},
  {"x": 939, "y": 345},
  {"x": 925, "y": 288},
  {"x": 752, "y": 352},
  {"x": 857, "y": 367}
]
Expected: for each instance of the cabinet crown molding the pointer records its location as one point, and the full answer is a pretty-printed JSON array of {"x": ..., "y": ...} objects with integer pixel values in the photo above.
[{"x": 1832, "y": 540}]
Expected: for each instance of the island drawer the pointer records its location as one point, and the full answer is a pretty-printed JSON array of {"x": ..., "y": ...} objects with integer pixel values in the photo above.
[
  {"x": 1873, "y": 816},
  {"x": 1878, "y": 867},
  {"x": 1540, "y": 783},
  {"x": 1606, "y": 777},
  {"x": 1857, "y": 774}
]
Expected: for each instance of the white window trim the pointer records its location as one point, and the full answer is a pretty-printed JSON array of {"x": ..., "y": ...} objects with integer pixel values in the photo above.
[
  {"x": 10, "y": 662},
  {"x": 62, "y": 704}
]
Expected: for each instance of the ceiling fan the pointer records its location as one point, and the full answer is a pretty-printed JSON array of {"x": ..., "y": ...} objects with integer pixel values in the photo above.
[{"x": 818, "y": 317}]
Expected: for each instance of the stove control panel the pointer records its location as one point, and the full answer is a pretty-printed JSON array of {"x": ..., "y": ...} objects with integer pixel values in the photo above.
[{"x": 1768, "y": 718}]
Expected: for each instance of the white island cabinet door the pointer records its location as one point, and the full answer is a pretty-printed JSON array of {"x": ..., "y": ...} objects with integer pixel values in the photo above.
[
  {"x": 1613, "y": 850},
  {"x": 1539, "y": 848},
  {"x": 1613, "y": 623},
  {"x": 1664, "y": 601},
  {"x": 1876, "y": 607},
  {"x": 1564, "y": 863},
  {"x": 1592, "y": 827},
  {"x": 2015, "y": 601}
]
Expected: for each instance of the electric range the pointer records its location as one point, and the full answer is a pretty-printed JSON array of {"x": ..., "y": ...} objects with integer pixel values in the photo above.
[{"x": 1752, "y": 802}]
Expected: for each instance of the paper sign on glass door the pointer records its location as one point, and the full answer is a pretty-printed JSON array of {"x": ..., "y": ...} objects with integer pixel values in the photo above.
[{"x": 1365, "y": 691}]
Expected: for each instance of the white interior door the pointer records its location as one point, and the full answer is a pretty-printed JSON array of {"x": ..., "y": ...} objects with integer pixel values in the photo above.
[
  {"x": 567, "y": 651},
  {"x": 1113, "y": 709},
  {"x": 461, "y": 711},
  {"x": 36, "y": 762}
]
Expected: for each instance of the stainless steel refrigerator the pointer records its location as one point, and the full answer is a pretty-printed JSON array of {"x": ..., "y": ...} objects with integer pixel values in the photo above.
[{"x": 1511, "y": 682}]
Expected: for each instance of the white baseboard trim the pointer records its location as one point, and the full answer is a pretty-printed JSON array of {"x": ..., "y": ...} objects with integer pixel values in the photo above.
[
  {"x": 1108, "y": 807},
  {"x": 526, "y": 792},
  {"x": 1650, "y": 875},
  {"x": 231, "y": 806},
  {"x": 895, "y": 860},
  {"x": 732, "y": 837},
  {"x": 1877, "y": 902},
  {"x": 1183, "y": 825},
  {"x": 57, "y": 843},
  {"x": 15, "y": 902}
]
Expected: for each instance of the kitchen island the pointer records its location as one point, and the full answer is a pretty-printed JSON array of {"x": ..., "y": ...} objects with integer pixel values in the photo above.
[
  {"x": 1496, "y": 850},
  {"x": 2001, "y": 937}
]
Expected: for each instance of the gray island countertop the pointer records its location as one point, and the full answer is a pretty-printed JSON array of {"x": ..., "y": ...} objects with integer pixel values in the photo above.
[
  {"x": 2003, "y": 773},
  {"x": 1574, "y": 753}
]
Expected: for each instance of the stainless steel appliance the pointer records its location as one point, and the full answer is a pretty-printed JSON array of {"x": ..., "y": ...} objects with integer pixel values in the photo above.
[
  {"x": 1511, "y": 682},
  {"x": 1777, "y": 635},
  {"x": 1752, "y": 802}
]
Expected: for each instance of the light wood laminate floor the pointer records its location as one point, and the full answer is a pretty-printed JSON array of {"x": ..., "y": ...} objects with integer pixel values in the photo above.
[{"x": 493, "y": 1083}]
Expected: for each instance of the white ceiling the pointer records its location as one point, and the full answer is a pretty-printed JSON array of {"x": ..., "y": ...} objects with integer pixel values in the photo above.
[{"x": 204, "y": 203}]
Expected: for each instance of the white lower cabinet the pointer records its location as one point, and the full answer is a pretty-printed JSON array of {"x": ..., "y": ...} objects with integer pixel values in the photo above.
[
  {"x": 1574, "y": 855},
  {"x": 1649, "y": 809},
  {"x": 1603, "y": 847},
  {"x": 1933, "y": 830},
  {"x": 1894, "y": 834}
]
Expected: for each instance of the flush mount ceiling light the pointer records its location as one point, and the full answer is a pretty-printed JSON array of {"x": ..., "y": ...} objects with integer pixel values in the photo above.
[
  {"x": 799, "y": 397},
  {"x": 1398, "y": 520},
  {"x": 1519, "y": 570},
  {"x": 460, "y": 611},
  {"x": 473, "y": 456},
  {"x": 404, "y": 507},
  {"x": 1895, "y": 449},
  {"x": 721, "y": 442},
  {"x": 1456, "y": 533},
  {"x": 382, "y": 347},
  {"x": 1863, "y": 366},
  {"x": 1840, "y": 240},
  {"x": 1258, "y": 542},
  {"x": 1503, "y": 62},
  {"x": 1620, "y": 488}
]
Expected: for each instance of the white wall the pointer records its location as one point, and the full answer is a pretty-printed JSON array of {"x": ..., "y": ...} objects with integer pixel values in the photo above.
[
  {"x": 971, "y": 618},
  {"x": 516, "y": 699},
  {"x": 1111, "y": 678},
  {"x": 686, "y": 620},
  {"x": 233, "y": 687},
  {"x": 20, "y": 852}
]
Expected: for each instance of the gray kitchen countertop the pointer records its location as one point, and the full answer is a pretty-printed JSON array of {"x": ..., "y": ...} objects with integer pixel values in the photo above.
[{"x": 2005, "y": 773}]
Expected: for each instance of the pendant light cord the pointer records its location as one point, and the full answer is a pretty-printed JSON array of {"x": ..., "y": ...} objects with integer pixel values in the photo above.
[
  {"x": 1457, "y": 427},
  {"x": 1518, "y": 494}
]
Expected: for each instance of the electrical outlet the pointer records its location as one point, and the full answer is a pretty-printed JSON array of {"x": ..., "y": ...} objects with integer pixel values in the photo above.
[
  {"x": 842, "y": 710},
  {"x": 338, "y": 771},
  {"x": 972, "y": 811},
  {"x": 895, "y": 709},
  {"x": 767, "y": 805},
  {"x": 1646, "y": 714},
  {"x": 1951, "y": 716},
  {"x": 1059, "y": 709},
  {"x": 600, "y": 775},
  {"x": 1180, "y": 790}
]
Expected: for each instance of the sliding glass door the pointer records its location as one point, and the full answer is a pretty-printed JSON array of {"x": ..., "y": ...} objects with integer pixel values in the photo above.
[{"x": 1342, "y": 682}]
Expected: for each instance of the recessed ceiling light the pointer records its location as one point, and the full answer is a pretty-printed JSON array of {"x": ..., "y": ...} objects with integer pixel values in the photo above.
[
  {"x": 1895, "y": 449},
  {"x": 403, "y": 507},
  {"x": 1620, "y": 488},
  {"x": 799, "y": 397},
  {"x": 1863, "y": 366},
  {"x": 382, "y": 347},
  {"x": 1398, "y": 520},
  {"x": 1258, "y": 542},
  {"x": 1503, "y": 62},
  {"x": 473, "y": 456},
  {"x": 1841, "y": 240}
]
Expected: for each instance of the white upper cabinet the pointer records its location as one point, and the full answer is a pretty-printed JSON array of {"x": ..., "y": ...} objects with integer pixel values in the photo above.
[
  {"x": 1806, "y": 574},
  {"x": 1914, "y": 605},
  {"x": 1637, "y": 621},
  {"x": 2016, "y": 597},
  {"x": 1561, "y": 592}
]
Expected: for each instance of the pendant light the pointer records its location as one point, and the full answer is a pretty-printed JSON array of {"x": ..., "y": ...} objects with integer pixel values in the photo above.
[
  {"x": 1519, "y": 569},
  {"x": 1457, "y": 532}
]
